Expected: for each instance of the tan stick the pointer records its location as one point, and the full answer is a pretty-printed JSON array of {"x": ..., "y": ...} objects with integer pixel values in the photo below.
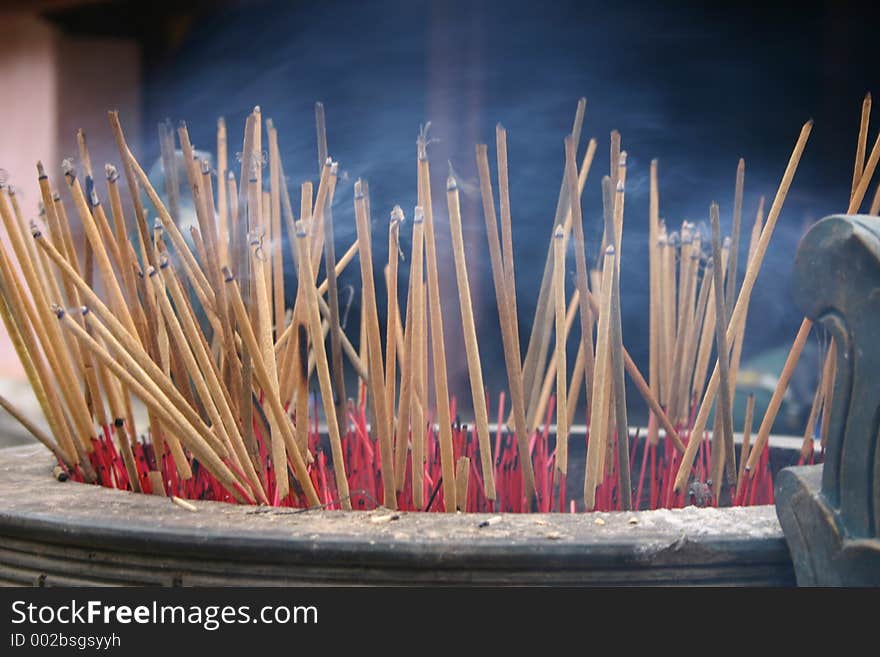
[
  {"x": 733, "y": 262},
  {"x": 374, "y": 351},
  {"x": 321, "y": 130},
  {"x": 559, "y": 358},
  {"x": 415, "y": 362},
  {"x": 726, "y": 454},
  {"x": 222, "y": 192},
  {"x": 307, "y": 278},
  {"x": 462, "y": 474},
  {"x": 655, "y": 334},
  {"x": 438, "y": 346},
  {"x": 599, "y": 415},
  {"x": 859, "y": 194},
  {"x": 508, "y": 327},
  {"x": 738, "y": 316},
  {"x": 781, "y": 386},
  {"x": 472, "y": 350},
  {"x": 392, "y": 313},
  {"x": 506, "y": 228},
  {"x": 861, "y": 144},
  {"x": 746, "y": 441}
]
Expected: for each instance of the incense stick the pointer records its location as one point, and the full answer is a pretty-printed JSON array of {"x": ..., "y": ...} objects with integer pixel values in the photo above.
[
  {"x": 374, "y": 350},
  {"x": 511, "y": 359},
  {"x": 724, "y": 455},
  {"x": 559, "y": 354},
  {"x": 599, "y": 416},
  {"x": 472, "y": 351},
  {"x": 307, "y": 278}
]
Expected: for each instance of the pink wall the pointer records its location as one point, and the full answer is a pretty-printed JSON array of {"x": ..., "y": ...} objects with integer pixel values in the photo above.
[{"x": 53, "y": 83}]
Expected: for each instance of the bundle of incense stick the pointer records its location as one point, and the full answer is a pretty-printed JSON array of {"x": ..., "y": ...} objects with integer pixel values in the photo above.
[{"x": 243, "y": 379}]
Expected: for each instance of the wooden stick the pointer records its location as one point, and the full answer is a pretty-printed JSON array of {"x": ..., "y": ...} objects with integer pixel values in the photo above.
[
  {"x": 222, "y": 192},
  {"x": 307, "y": 278},
  {"x": 781, "y": 386},
  {"x": 559, "y": 357},
  {"x": 392, "y": 312},
  {"x": 416, "y": 355},
  {"x": 374, "y": 351},
  {"x": 599, "y": 415},
  {"x": 438, "y": 346},
  {"x": 616, "y": 338},
  {"x": 859, "y": 194},
  {"x": 506, "y": 229},
  {"x": 746, "y": 441},
  {"x": 655, "y": 334},
  {"x": 462, "y": 474},
  {"x": 733, "y": 262},
  {"x": 321, "y": 129},
  {"x": 508, "y": 327},
  {"x": 472, "y": 351},
  {"x": 670, "y": 305},
  {"x": 829, "y": 374},
  {"x": 275, "y": 246},
  {"x": 125, "y": 345},
  {"x": 726, "y": 454},
  {"x": 739, "y": 311},
  {"x": 861, "y": 144},
  {"x": 687, "y": 280},
  {"x": 35, "y": 431}
]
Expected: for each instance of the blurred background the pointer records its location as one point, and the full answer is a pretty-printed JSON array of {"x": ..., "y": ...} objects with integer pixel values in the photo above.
[{"x": 695, "y": 86}]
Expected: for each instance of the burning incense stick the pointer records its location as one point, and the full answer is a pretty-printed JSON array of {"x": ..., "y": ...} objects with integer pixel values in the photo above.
[
  {"x": 559, "y": 357},
  {"x": 472, "y": 351},
  {"x": 725, "y": 455},
  {"x": 617, "y": 365},
  {"x": 306, "y": 279},
  {"x": 374, "y": 350},
  {"x": 511, "y": 358},
  {"x": 391, "y": 312},
  {"x": 599, "y": 416}
]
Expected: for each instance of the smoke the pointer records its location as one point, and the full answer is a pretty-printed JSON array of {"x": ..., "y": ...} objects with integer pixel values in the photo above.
[{"x": 696, "y": 88}]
